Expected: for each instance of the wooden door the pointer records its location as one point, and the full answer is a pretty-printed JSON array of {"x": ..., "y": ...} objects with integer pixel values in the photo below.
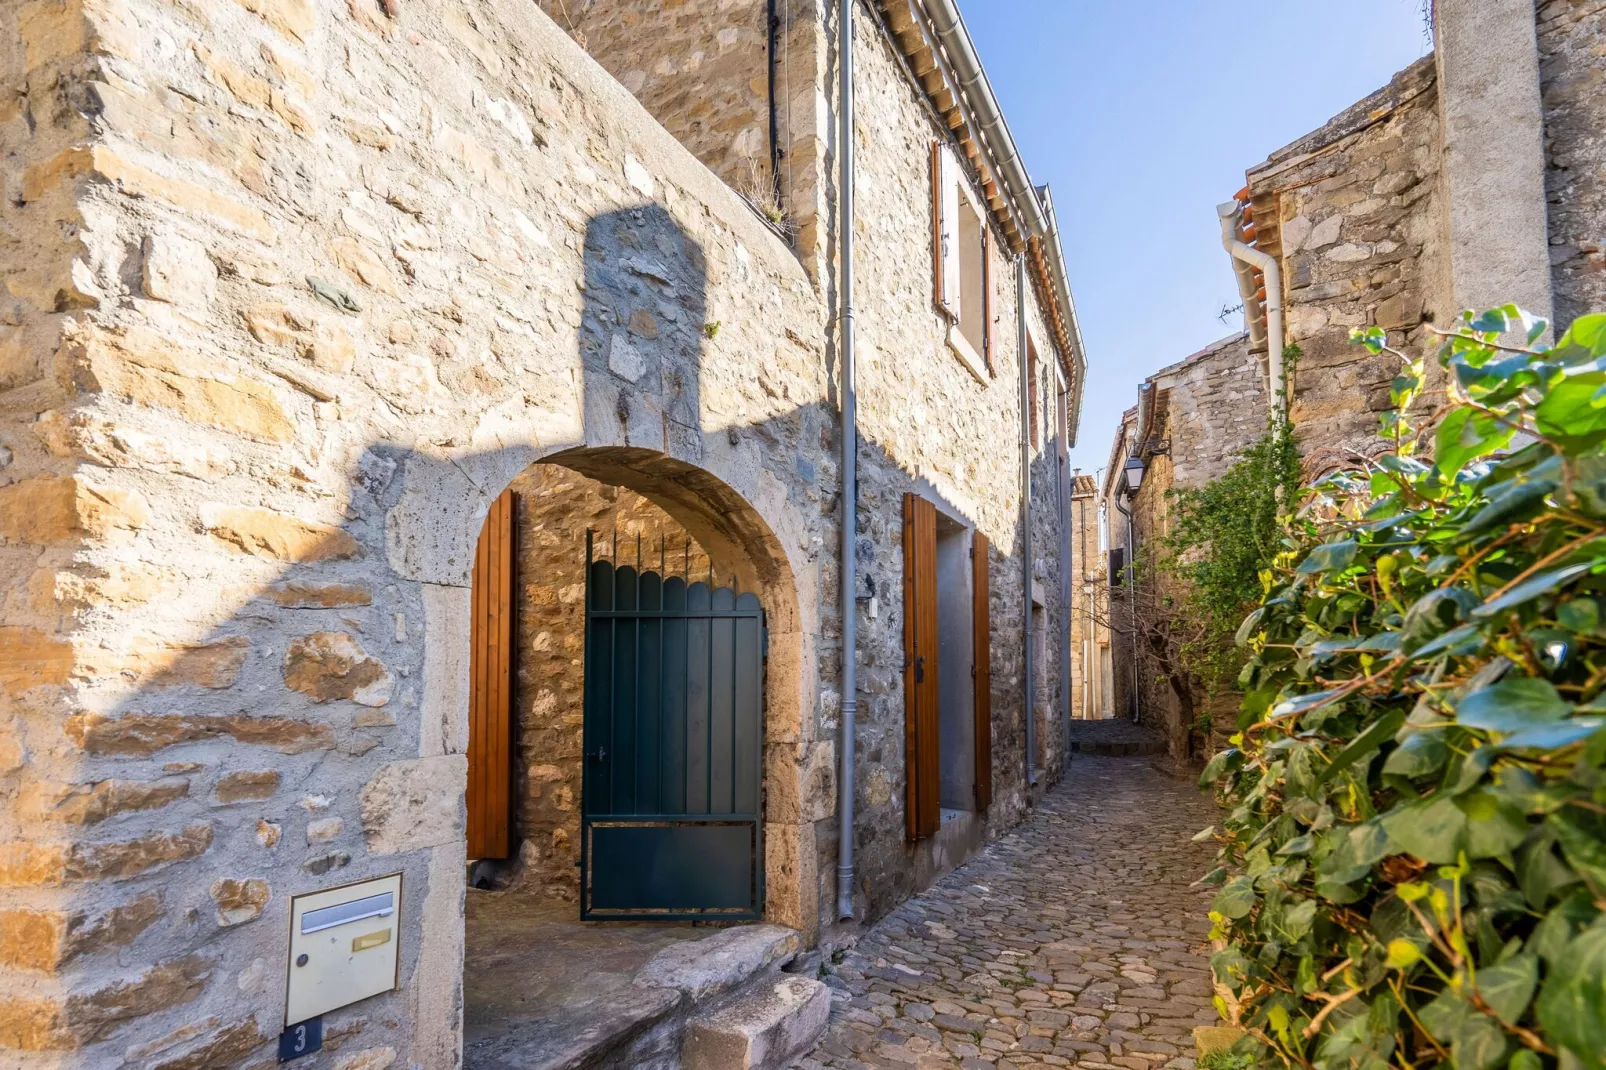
[
  {"x": 982, "y": 638},
  {"x": 490, "y": 708},
  {"x": 920, "y": 666}
]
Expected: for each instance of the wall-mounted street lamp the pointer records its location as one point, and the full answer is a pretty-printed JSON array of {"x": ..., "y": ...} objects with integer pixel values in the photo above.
[{"x": 1132, "y": 472}]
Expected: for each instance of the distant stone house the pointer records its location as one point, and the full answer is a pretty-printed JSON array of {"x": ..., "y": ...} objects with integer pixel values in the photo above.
[
  {"x": 1191, "y": 422},
  {"x": 1472, "y": 179},
  {"x": 383, "y": 387}
]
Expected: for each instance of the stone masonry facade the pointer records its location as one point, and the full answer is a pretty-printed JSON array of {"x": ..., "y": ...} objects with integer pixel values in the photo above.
[
  {"x": 1353, "y": 213},
  {"x": 293, "y": 292},
  {"x": 1359, "y": 216},
  {"x": 1572, "y": 70},
  {"x": 1201, "y": 414}
]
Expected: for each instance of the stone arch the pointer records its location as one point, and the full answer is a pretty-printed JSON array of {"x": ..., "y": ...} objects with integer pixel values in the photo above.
[{"x": 432, "y": 533}]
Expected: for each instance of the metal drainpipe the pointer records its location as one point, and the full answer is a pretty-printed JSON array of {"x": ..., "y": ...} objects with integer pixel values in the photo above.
[
  {"x": 1065, "y": 485},
  {"x": 1026, "y": 509},
  {"x": 775, "y": 43},
  {"x": 1132, "y": 595},
  {"x": 848, "y": 569},
  {"x": 1231, "y": 212}
]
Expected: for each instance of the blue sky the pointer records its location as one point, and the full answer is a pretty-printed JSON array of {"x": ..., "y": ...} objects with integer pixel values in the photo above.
[{"x": 1144, "y": 117}]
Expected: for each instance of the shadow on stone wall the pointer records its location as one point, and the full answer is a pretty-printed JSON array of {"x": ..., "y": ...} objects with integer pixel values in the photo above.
[{"x": 317, "y": 737}]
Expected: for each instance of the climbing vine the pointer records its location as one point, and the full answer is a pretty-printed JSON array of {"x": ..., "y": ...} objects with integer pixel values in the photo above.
[
  {"x": 1413, "y": 859},
  {"x": 1224, "y": 537}
]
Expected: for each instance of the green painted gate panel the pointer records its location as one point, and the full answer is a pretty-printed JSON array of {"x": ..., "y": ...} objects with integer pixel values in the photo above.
[{"x": 671, "y": 797}]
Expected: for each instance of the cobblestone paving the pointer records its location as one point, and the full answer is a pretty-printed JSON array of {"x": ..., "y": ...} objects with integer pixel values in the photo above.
[{"x": 1073, "y": 941}]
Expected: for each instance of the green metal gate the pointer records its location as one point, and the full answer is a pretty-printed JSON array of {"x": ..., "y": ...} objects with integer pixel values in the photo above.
[{"x": 671, "y": 798}]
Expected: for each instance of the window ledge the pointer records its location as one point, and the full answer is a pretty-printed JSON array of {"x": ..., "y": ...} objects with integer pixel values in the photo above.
[{"x": 966, "y": 353}]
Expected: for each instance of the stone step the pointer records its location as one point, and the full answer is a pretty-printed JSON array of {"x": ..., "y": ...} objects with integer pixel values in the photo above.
[
  {"x": 642, "y": 1026},
  {"x": 762, "y": 1029}
]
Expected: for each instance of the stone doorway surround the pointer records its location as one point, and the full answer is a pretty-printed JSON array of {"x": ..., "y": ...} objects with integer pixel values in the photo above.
[{"x": 521, "y": 948}]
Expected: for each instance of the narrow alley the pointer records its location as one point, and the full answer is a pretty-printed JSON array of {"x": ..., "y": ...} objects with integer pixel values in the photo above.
[{"x": 1074, "y": 941}]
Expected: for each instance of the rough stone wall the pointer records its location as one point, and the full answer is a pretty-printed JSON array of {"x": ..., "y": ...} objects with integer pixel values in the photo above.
[
  {"x": 556, "y": 506},
  {"x": 1207, "y": 410},
  {"x": 1353, "y": 212},
  {"x": 926, "y": 425},
  {"x": 1572, "y": 57},
  {"x": 702, "y": 68},
  {"x": 324, "y": 282},
  {"x": 1086, "y": 626},
  {"x": 1216, "y": 409},
  {"x": 1049, "y": 670},
  {"x": 333, "y": 281}
]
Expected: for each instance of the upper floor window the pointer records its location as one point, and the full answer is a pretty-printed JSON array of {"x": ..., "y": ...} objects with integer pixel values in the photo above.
[{"x": 962, "y": 263}]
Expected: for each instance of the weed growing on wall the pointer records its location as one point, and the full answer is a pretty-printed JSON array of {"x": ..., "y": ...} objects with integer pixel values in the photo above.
[{"x": 1413, "y": 862}]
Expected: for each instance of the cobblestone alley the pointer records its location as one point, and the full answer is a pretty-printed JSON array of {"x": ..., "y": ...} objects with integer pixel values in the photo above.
[{"x": 1073, "y": 941}]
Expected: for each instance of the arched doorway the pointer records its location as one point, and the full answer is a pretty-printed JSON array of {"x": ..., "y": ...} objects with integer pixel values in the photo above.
[{"x": 621, "y": 702}]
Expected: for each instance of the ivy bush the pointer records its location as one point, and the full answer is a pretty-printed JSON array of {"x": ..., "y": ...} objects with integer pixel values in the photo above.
[
  {"x": 1223, "y": 536},
  {"x": 1413, "y": 861}
]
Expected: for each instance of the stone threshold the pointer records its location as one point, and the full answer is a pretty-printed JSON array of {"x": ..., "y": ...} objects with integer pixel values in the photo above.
[{"x": 644, "y": 1023}]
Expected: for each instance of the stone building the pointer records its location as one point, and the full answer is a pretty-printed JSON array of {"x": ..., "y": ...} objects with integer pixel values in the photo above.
[
  {"x": 347, "y": 351},
  {"x": 1092, "y": 663},
  {"x": 1192, "y": 420},
  {"x": 1472, "y": 179}
]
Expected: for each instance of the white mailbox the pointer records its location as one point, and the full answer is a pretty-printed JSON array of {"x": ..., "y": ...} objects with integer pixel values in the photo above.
[{"x": 344, "y": 945}]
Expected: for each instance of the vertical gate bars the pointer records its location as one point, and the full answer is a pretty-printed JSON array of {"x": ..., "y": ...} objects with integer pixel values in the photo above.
[{"x": 710, "y": 613}]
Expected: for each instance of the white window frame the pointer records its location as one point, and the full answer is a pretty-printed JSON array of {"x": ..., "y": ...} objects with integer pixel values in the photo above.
[{"x": 952, "y": 185}]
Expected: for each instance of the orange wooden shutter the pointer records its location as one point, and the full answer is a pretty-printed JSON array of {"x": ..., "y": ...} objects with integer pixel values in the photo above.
[
  {"x": 983, "y": 661},
  {"x": 490, "y": 709},
  {"x": 920, "y": 665},
  {"x": 938, "y": 293},
  {"x": 989, "y": 339}
]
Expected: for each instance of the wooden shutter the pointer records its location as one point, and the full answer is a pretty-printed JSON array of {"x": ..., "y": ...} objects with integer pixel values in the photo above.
[
  {"x": 944, "y": 229},
  {"x": 920, "y": 666},
  {"x": 982, "y": 654},
  {"x": 490, "y": 709},
  {"x": 989, "y": 339}
]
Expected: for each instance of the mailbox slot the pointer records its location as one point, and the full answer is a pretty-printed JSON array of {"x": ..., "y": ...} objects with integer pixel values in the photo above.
[{"x": 344, "y": 947}]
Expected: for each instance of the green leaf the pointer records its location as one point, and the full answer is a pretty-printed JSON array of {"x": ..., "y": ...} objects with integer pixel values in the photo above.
[
  {"x": 1532, "y": 588},
  {"x": 1479, "y": 1044},
  {"x": 1434, "y": 830},
  {"x": 1579, "y": 615},
  {"x": 1568, "y": 413},
  {"x": 1467, "y": 434},
  {"x": 1494, "y": 827},
  {"x": 1329, "y": 557},
  {"x": 1583, "y": 845},
  {"x": 1248, "y": 627},
  {"x": 1525, "y": 1059},
  {"x": 1422, "y": 754},
  {"x": 1226, "y": 761},
  {"x": 1235, "y": 899},
  {"x": 1512, "y": 705},
  {"x": 1553, "y": 736},
  {"x": 1540, "y": 874},
  {"x": 1572, "y": 1004},
  {"x": 1304, "y": 703},
  {"x": 1587, "y": 333},
  {"x": 1299, "y": 845},
  {"x": 1508, "y": 986},
  {"x": 1461, "y": 642},
  {"x": 1511, "y": 503},
  {"x": 1298, "y": 919},
  {"x": 1380, "y": 731}
]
